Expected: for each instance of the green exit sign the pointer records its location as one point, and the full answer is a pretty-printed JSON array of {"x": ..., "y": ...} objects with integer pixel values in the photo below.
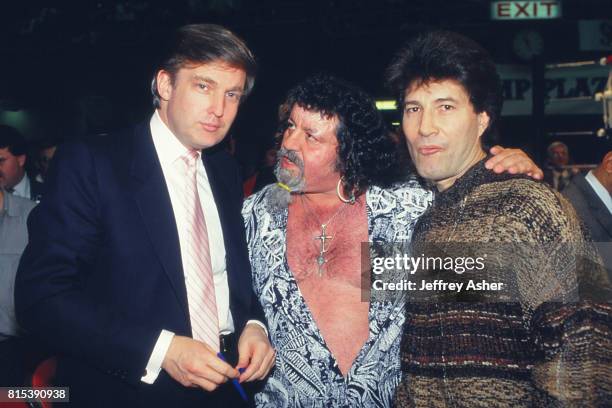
[{"x": 525, "y": 10}]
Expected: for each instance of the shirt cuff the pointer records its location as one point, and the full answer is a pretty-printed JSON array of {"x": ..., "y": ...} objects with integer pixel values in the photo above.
[
  {"x": 157, "y": 357},
  {"x": 257, "y": 322}
]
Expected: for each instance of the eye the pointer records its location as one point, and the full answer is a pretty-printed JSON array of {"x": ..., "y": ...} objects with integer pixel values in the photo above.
[
  {"x": 311, "y": 138},
  {"x": 233, "y": 95},
  {"x": 411, "y": 109},
  {"x": 447, "y": 107},
  {"x": 203, "y": 86}
]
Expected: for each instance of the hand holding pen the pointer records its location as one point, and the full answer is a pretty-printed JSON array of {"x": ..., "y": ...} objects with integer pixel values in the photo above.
[{"x": 235, "y": 381}]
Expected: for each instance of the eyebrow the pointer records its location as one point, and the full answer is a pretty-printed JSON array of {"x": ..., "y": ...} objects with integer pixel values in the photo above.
[
  {"x": 306, "y": 129},
  {"x": 205, "y": 79},
  {"x": 236, "y": 88},
  {"x": 449, "y": 99}
]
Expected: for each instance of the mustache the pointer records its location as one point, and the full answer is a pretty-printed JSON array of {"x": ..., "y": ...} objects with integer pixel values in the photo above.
[
  {"x": 290, "y": 155},
  {"x": 292, "y": 179}
]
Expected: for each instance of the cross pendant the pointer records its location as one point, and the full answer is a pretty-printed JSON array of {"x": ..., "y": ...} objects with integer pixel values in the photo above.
[{"x": 323, "y": 238}]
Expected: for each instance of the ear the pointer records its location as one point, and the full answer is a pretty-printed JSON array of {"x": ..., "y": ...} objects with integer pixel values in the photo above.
[
  {"x": 607, "y": 162},
  {"x": 483, "y": 122},
  {"x": 21, "y": 160},
  {"x": 164, "y": 84}
]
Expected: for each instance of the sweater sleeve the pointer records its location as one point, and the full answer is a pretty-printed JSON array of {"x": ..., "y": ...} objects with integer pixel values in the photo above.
[{"x": 565, "y": 291}]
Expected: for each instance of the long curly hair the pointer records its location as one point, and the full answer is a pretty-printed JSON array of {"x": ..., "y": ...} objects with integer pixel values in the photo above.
[{"x": 367, "y": 152}]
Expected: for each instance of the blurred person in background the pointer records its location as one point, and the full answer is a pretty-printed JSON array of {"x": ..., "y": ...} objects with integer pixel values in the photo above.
[
  {"x": 264, "y": 174},
  {"x": 557, "y": 173},
  {"x": 17, "y": 356},
  {"x": 591, "y": 196},
  {"x": 13, "y": 157},
  {"x": 42, "y": 156}
]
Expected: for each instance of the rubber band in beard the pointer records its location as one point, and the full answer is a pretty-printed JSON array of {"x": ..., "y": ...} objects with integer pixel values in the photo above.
[{"x": 289, "y": 182}]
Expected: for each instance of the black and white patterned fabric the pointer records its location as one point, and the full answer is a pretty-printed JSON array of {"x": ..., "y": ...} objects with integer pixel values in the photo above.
[{"x": 306, "y": 374}]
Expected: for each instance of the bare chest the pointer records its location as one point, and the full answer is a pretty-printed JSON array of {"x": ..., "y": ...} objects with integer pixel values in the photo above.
[
  {"x": 332, "y": 289},
  {"x": 327, "y": 248}
]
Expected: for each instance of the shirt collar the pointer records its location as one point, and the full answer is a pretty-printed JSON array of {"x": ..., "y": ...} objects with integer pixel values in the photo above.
[
  {"x": 22, "y": 189},
  {"x": 600, "y": 190},
  {"x": 8, "y": 206},
  {"x": 168, "y": 147}
]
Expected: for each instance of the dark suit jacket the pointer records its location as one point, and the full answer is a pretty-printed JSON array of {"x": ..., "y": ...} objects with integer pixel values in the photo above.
[
  {"x": 595, "y": 216},
  {"x": 102, "y": 273},
  {"x": 590, "y": 208}
]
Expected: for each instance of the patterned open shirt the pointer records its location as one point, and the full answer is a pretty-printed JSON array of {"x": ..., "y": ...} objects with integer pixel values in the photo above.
[{"x": 306, "y": 373}]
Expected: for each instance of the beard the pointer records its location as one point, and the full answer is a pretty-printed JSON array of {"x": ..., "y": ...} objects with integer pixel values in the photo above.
[{"x": 280, "y": 197}]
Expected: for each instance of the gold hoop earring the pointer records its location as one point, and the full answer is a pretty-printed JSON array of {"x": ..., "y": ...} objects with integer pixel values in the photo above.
[{"x": 350, "y": 200}]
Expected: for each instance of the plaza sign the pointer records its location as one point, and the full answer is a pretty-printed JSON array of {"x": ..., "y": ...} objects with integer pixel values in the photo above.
[{"x": 567, "y": 91}]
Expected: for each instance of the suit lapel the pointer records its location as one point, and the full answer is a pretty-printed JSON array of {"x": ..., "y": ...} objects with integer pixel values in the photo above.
[
  {"x": 598, "y": 208},
  {"x": 603, "y": 216},
  {"x": 220, "y": 180},
  {"x": 151, "y": 194}
]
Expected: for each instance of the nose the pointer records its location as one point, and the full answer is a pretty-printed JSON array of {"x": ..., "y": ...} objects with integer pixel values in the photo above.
[
  {"x": 427, "y": 124},
  {"x": 217, "y": 104}
]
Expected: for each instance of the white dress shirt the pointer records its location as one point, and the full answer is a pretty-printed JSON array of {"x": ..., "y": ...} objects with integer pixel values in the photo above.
[
  {"x": 22, "y": 189},
  {"x": 169, "y": 149},
  {"x": 600, "y": 190}
]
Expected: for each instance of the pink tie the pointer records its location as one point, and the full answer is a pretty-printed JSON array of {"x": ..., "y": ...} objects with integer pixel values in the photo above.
[{"x": 198, "y": 268}]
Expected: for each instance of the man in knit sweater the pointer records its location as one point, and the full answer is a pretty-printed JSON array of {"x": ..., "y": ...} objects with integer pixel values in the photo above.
[{"x": 531, "y": 327}]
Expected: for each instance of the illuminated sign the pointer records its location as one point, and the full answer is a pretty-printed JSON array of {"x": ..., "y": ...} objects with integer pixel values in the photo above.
[
  {"x": 525, "y": 10},
  {"x": 385, "y": 105}
]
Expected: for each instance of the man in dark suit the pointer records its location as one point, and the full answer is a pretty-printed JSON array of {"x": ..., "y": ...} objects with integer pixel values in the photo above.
[
  {"x": 558, "y": 172},
  {"x": 137, "y": 272},
  {"x": 591, "y": 198}
]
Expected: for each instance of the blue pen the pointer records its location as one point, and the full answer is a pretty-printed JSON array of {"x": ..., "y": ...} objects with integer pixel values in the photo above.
[{"x": 235, "y": 381}]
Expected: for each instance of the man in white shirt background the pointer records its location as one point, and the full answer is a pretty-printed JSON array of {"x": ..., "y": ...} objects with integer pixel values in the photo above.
[
  {"x": 17, "y": 357},
  {"x": 13, "y": 176},
  {"x": 591, "y": 196}
]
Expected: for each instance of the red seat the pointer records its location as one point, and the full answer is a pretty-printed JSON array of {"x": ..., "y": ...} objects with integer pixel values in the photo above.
[
  {"x": 44, "y": 373},
  {"x": 42, "y": 377}
]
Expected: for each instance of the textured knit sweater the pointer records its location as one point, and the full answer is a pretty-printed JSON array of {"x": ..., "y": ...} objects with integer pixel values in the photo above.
[{"x": 544, "y": 339}]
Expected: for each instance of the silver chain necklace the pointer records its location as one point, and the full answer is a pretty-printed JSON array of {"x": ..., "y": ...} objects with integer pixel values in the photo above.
[{"x": 323, "y": 237}]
